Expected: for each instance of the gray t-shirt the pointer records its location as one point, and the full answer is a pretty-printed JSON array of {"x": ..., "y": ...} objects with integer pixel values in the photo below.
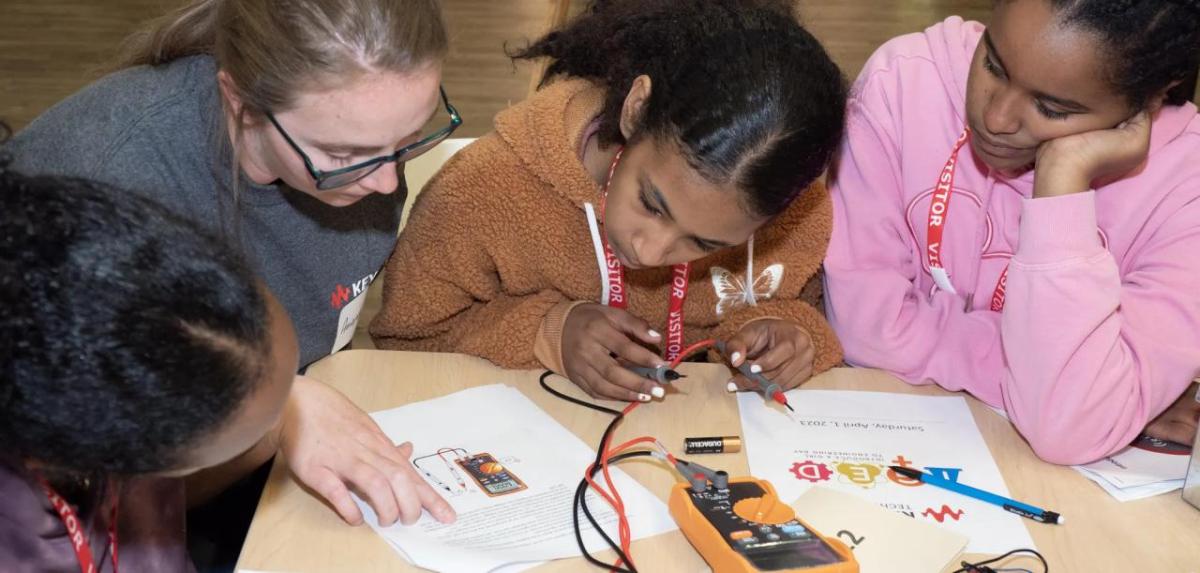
[{"x": 156, "y": 131}]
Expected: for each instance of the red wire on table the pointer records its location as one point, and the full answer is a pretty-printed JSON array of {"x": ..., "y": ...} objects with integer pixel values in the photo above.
[{"x": 615, "y": 500}]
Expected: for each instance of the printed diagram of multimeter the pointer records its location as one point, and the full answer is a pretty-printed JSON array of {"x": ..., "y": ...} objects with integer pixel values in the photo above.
[{"x": 493, "y": 478}]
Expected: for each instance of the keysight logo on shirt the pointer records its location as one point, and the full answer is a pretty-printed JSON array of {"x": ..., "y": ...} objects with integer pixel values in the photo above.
[{"x": 342, "y": 294}]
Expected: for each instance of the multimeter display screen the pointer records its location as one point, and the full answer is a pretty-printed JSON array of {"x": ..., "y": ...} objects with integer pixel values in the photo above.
[{"x": 503, "y": 486}]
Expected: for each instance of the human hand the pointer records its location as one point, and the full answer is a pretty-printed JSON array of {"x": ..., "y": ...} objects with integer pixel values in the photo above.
[
  {"x": 1178, "y": 423},
  {"x": 596, "y": 340},
  {"x": 780, "y": 349},
  {"x": 1069, "y": 164},
  {"x": 331, "y": 445}
]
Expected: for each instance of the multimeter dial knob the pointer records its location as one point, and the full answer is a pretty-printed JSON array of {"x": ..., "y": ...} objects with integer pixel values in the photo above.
[
  {"x": 766, "y": 510},
  {"x": 491, "y": 468}
]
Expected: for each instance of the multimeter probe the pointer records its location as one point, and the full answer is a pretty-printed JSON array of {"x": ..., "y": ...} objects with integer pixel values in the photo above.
[
  {"x": 769, "y": 389},
  {"x": 662, "y": 374}
]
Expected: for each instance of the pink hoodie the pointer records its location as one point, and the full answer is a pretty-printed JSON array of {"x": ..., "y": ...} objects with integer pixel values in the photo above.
[{"x": 1100, "y": 330}]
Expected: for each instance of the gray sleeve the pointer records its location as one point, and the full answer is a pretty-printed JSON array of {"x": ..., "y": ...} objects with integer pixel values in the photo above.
[
  {"x": 133, "y": 130},
  {"x": 62, "y": 141}
]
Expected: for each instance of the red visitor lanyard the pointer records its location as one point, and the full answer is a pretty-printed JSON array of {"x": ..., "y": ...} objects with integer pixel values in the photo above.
[
  {"x": 79, "y": 541},
  {"x": 616, "y": 279},
  {"x": 939, "y": 214}
]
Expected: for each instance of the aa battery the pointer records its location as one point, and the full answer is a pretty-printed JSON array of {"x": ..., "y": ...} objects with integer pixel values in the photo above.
[{"x": 716, "y": 445}]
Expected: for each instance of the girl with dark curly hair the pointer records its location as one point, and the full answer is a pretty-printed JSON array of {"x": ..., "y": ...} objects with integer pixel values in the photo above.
[
  {"x": 135, "y": 348},
  {"x": 673, "y": 144}
]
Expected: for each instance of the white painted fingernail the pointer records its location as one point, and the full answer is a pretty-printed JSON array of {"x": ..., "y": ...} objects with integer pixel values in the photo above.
[
  {"x": 731, "y": 387},
  {"x": 653, "y": 334},
  {"x": 736, "y": 358},
  {"x": 643, "y": 397},
  {"x": 755, "y": 368},
  {"x": 658, "y": 391}
]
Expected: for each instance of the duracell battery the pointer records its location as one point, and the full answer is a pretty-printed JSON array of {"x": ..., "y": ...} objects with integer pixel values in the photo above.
[{"x": 717, "y": 445}]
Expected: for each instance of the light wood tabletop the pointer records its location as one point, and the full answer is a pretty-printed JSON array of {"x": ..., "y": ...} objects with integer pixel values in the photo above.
[{"x": 295, "y": 532}]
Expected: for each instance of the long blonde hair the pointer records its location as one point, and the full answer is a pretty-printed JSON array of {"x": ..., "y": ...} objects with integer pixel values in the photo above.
[{"x": 273, "y": 50}]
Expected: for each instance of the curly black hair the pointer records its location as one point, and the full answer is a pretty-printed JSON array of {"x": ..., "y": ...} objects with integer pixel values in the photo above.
[
  {"x": 128, "y": 332},
  {"x": 1152, "y": 43},
  {"x": 748, "y": 94}
]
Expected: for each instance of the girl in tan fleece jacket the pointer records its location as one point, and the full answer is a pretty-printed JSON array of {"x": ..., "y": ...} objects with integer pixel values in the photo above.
[{"x": 664, "y": 184}]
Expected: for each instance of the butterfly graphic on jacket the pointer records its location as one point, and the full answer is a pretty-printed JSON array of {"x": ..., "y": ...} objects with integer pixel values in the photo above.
[{"x": 733, "y": 292}]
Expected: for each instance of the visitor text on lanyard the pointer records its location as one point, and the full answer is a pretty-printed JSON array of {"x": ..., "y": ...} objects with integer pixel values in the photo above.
[
  {"x": 79, "y": 540},
  {"x": 939, "y": 214},
  {"x": 618, "y": 296}
]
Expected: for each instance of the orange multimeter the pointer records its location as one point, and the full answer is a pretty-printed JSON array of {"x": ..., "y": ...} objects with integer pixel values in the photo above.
[
  {"x": 493, "y": 478},
  {"x": 744, "y": 528}
]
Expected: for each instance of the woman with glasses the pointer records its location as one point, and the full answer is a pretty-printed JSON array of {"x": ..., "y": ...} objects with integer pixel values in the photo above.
[
  {"x": 285, "y": 126},
  {"x": 675, "y": 143}
]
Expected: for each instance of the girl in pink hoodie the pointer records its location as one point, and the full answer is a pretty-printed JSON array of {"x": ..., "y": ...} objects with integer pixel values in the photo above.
[{"x": 1017, "y": 215}]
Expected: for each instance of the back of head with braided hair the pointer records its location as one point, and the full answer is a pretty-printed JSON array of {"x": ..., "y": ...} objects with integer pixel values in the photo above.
[{"x": 130, "y": 336}]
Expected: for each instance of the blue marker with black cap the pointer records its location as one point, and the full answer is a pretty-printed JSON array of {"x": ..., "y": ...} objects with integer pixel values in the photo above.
[{"x": 1009, "y": 505}]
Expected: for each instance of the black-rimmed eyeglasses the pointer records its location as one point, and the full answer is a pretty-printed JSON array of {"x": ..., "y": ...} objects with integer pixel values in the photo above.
[{"x": 341, "y": 177}]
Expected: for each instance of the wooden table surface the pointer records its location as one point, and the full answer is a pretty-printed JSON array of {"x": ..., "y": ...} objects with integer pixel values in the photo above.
[{"x": 294, "y": 532}]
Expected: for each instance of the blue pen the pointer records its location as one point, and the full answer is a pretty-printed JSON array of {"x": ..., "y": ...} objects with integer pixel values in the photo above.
[{"x": 1009, "y": 505}]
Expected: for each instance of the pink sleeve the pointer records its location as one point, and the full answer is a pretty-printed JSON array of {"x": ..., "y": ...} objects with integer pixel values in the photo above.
[
  {"x": 873, "y": 301},
  {"x": 1095, "y": 356}
]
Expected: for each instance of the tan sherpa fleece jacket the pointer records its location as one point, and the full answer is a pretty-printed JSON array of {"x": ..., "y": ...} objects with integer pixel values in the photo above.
[{"x": 497, "y": 250}]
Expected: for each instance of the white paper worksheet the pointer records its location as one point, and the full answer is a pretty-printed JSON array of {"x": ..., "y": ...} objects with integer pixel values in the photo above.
[
  {"x": 846, "y": 440},
  {"x": 1146, "y": 468},
  {"x": 501, "y": 522}
]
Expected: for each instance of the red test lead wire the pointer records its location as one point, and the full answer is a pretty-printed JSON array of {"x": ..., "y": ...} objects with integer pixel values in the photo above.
[{"x": 614, "y": 498}]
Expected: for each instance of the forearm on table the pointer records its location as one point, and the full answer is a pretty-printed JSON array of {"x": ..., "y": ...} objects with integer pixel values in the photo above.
[
  {"x": 1094, "y": 356},
  {"x": 882, "y": 322}
]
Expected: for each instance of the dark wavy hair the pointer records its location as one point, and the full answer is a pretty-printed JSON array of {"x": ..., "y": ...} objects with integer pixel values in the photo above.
[
  {"x": 1150, "y": 43},
  {"x": 127, "y": 332},
  {"x": 745, "y": 91}
]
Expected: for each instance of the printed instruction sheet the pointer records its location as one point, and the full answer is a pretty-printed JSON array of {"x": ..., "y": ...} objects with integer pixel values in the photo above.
[
  {"x": 1146, "y": 468},
  {"x": 845, "y": 440},
  {"x": 510, "y": 472}
]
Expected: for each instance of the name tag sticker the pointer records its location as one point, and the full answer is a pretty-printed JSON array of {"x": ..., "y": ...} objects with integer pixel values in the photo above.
[{"x": 348, "y": 321}]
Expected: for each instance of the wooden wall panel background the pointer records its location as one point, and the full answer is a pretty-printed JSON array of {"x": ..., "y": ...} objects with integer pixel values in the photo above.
[{"x": 50, "y": 48}]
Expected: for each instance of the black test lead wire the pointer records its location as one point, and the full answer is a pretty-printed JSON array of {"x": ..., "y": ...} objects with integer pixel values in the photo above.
[
  {"x": 580, "y": 501},
  {"x": 983, "y": 566},
  {"x": 581, "y": 498}
]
